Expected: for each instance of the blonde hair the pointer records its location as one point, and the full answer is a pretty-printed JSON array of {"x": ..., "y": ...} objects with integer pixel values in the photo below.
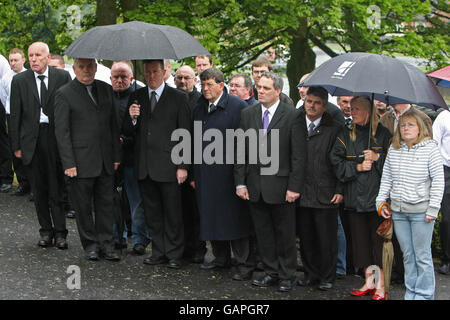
[
  {"x": 423, "y": 131},
  {"x": 366, "y": 103}
]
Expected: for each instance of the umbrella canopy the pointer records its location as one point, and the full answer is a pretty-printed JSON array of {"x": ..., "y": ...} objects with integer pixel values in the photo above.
[
  {"x": 135, "y": 41},
  {"x": 383, "y": 77},
  {"x": 442, "y": 76}
]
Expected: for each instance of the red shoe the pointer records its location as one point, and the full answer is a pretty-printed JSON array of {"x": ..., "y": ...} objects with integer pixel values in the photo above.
[
  {"x": 377, "y": 297},
  {"x": 360, "y": 293}
]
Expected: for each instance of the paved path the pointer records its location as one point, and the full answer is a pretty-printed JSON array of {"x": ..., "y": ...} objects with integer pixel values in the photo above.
[{"x": 32, "y": 273}]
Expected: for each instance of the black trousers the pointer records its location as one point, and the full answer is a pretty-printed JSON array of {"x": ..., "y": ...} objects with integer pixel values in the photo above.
[
  {"x": 318, "y": 248},
  {"x": 95, "y": 230},
  {"x": 444, "y": 227},
  {"x": 191, "y": 218},
  {"x": 243, "y": 253},
  {"x": 162, "y": 207},
  {"x": 45, "y": 177},
  {"x": 6, "y": 173},
  {"x": 275, "y": 234},
  {"x": 19, "y": 168}
]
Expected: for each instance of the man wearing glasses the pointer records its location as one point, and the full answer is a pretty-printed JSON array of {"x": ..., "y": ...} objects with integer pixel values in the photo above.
[{"x": 241, "y": 86}]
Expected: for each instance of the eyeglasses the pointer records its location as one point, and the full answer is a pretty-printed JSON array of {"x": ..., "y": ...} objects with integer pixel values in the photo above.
[
  {"x": 183, "y": 77},
  {"x": 409, "y": 125},
  {"x": 232, "y": 85}
]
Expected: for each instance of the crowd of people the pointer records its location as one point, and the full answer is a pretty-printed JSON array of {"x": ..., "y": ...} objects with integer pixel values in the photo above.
[{"x": 77, "y": 142}]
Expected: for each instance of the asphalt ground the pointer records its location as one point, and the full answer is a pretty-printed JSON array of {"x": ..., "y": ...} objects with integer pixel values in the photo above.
[{"x": 28, "y": 272}]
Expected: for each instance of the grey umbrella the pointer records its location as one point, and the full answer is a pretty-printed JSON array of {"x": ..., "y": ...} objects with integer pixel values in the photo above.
[
  {"x": 135, "y": 41},
  {"x": 384, "y": 78}
]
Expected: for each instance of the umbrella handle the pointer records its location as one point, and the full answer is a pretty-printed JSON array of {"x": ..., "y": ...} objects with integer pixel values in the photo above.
[{"x": 382, "y": 205}]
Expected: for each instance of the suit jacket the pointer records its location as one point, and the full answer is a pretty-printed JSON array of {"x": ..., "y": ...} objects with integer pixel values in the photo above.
[
  {"x": 87, "y": 133},
  {"x": 292, "y": 155},
  {"x": 153, "y": 131},
  {"x": 26, "y": 110}
]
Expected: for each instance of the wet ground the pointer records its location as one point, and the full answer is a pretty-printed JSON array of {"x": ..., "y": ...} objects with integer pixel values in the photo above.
[{"x": 28, "y": 272}]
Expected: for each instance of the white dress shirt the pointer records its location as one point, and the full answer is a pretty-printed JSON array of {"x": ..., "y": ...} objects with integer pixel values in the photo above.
[
  {"x": 441, "y": 133},
  {"x": 5, "y": 89},
  {"x": 43, "y": 118}
]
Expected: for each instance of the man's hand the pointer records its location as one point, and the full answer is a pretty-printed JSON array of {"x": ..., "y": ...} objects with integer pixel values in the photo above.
[
  {"x": 243, "y": 193},
  {"x": 18, "y": 154},
  {"x": 116, "y": 165},
  {"x": 135, "y": 111},
  {"x": 181, "y": 175},
  {"x": 337, "y": 198},
  {"x": 71, "y": 172},
  {"x": 291, "y": 196},
  {"x": 192, "y": 184}
]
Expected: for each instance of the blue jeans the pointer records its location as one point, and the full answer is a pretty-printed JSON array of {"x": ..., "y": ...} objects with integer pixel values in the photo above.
[
  {"x": 341, "y": 265},
  {"x": 414, "y": 236},
  {"x": 139, "y": 226}
]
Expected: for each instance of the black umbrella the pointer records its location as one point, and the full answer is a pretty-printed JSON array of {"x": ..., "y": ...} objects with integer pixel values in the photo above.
[
  {"x": 135, "y": 41},
  {"x": 384, "y": 78}
]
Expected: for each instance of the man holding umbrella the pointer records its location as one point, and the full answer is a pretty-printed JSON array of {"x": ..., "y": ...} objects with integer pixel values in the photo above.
[{"x": 160, "y": 110}]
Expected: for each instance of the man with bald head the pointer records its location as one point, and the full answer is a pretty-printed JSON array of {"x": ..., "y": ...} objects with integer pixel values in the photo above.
[
  {"x": 185, "y": 80},
  {"x": 32, "y": 130},
  {"x": 88, "y": 140}
]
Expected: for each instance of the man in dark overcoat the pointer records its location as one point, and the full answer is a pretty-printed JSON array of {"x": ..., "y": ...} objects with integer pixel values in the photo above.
[{"x": 224, "y": 218}]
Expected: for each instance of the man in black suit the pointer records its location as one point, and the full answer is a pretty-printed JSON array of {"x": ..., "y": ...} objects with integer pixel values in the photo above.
[
  {"x": 88, "y": 140},
  {"x": 160, "y": 111},
  {"x": 272, "y": 195},
  {"x": 33, "y": 140}
]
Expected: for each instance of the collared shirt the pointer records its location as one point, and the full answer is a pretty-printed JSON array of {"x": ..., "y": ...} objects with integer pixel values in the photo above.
[
  {"x": 158, "y": 91},
  {"x": 272, "y": 110},
  {"x": 441, "y": 133},
  {"x": 215, "y": 102},
  {"x": 316, "y": 122},
  {"x": 43, "y": 118},
  {"x": 5, "y": 89}
]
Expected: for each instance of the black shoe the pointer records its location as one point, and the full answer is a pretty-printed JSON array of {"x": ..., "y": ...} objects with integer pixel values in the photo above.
[
  {"x": 285, "y": 285},
  {"x": 306, "y": 282},
  {"x": 260, "y": 266},
  {"x": 20, "y": 191},
  {"x": 111, "y": 256},
  {"x": 45, "y": 241},
  {"x": 444, "y": 268},
  {"x": 174, "y": 264},
  {"x": 242, "y": 276},
  {"x": 4, "y": 188},
  {"x": 324, "y": 286},
  {"x": 139, "y": 249},
  {"x": 92, "y": 255},
  {"x": 154, "y": 261},
  {"x": 61, "y": 243},
  {"x": 70, "y": 214},
  {"x": 198, "y": 258},
  {"x": 265, "y": 281},
  {"x": 212, "y": 265}
]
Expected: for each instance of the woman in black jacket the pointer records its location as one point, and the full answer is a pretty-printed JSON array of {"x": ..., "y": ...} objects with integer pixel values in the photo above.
[{"x": 359, "y": 166}]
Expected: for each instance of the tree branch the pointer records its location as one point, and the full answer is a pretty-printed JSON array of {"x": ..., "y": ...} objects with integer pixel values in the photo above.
[{"x": 322, "y": 45}]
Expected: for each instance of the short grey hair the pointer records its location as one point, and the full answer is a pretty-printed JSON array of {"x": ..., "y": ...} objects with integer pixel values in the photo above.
[
  {"x": 247, "y": 80},
  {"x": 212, "y": 73},
  {"x": 277, "y": 81}
]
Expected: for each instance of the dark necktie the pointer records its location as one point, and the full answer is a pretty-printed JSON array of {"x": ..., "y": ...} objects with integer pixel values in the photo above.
[
  {"x": 153, "y": 101},
  {"x": 265, "y": 123},
  {"x": 348, "y": 123},
  {"x": 44, "y": 94},
  {"x": 212, "y": 108},
  {"x": 311, "y": 128},
  {"x": 91, "y": 91}
]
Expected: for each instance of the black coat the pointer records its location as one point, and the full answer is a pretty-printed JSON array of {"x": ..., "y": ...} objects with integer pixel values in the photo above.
[
  {"x": 26, "y": 111},
  {"x": 153, "y": 132},
  {"x": 223, "y": 215},
  {"x": 292, "y": 155},
  {"x": 321, "y": 183},
  {"x": 87, "y": 134},
  {"x": 360, "y": 188}
]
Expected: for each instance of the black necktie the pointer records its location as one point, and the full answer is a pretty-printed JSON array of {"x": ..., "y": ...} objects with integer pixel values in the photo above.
[
  {"x": 153, "y": 101},
  {"x": 348, "y": 123},
  {"x": 92, "y": 93},
  {"x": 44, "y": 94},
  {"x": 311, "y": 128},
  {"x": 212, "y": 108}
]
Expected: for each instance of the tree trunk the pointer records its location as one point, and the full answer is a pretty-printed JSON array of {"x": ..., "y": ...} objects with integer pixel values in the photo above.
[
  {"x": 106, "y": 15},
  {"x": 302, "y": 60}
]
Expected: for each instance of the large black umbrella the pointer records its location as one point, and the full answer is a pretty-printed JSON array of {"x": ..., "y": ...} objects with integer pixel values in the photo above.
[
  {"x": 135, "y": 40},
  {"x": 384, "y": 78}
]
